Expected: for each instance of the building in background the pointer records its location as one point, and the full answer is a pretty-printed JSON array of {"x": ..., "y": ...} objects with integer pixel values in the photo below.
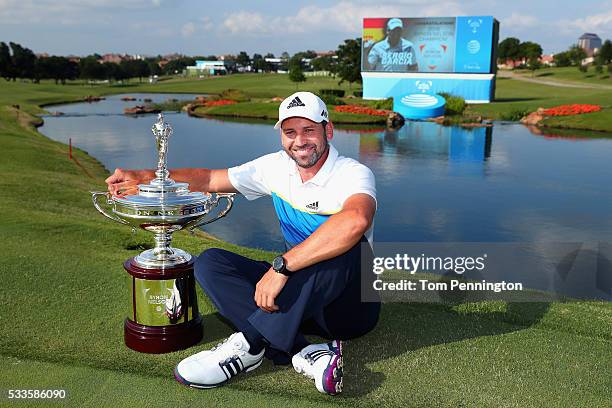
[
  {"x": 590, "y": 43},
  {"x": 209, "y": 68}
]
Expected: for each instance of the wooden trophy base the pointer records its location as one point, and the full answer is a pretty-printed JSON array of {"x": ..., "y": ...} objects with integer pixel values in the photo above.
[
  {"x": 165, "y": 339},
  {"x": 165, "y": 315}
]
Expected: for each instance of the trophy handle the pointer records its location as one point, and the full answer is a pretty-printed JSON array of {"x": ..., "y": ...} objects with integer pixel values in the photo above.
[
  {"x": 215, "y": 201},
  {"x": 94, "y": 198}
]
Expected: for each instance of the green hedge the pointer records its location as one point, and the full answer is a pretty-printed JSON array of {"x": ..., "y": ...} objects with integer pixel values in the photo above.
[
  {"x": 333, "y": 92},
  {"x": 455, "y": 105}
]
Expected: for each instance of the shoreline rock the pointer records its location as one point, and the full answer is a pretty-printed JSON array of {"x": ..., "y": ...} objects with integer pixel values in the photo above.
[
  {"x": 533, "y": 118},
  {"x": 140, "y": 109}
]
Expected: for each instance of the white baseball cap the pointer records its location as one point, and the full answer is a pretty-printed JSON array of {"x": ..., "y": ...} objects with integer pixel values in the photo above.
[
  {"x": 304, "y": 105},
  {"x": 394, "y": 23}
]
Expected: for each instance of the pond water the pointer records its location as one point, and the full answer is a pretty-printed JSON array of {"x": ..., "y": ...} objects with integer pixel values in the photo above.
[{"x": 435, "y": 183}]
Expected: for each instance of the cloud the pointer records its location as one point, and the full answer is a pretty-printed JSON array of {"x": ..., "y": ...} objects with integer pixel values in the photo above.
[
  {"x": 246, "y": 22},
  {"x": 191, "y": 28},
  {"x": 67, "y": 11},
  {"x": 517, "y": 20},
  {"x": 594, "y": 23},
  {"x": 188, "y": 29},
  {"x": 345, "y": 17}
]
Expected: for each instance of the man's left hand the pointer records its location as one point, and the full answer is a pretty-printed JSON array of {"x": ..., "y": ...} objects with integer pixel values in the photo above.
[{"x": 268, "y": 288}]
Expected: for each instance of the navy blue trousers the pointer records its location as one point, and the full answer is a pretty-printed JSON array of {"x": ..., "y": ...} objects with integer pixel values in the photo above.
[{"x": 323, "y": 299}]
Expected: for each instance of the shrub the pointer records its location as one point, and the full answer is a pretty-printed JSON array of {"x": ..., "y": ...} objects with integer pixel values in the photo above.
[
  {"x": 334, "y": 92},
  {"x": 360, "y": 110},
  {"x": 583, "y": 68},
  {"x": 515, "y": 114},
  {"x": 332, "y": 100},
  {"x": 358, "y": 94},
  {"x": 384, "y": 104},
  {"x": 235, "y": 95},
  {"x": 455, "y": 105}
]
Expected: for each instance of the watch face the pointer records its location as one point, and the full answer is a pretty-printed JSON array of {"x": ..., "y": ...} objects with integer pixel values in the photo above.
[{"x": 277, "y": 263}]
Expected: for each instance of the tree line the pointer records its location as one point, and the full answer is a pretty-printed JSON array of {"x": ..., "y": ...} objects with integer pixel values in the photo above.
[
  {"x": 575, "y": 55},
  {"x": 513, "y": 49},
  {"x": 17, "y": 61}
]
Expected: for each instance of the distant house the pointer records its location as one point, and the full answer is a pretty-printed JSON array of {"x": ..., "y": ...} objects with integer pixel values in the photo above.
[
  {"x": 171, "y": 57},
  {"x": 326, "y": 54},
  {"x": 510, "y": 63},
  {"x": 547, "y": 59},
  {"x": 590, "y": 43},
  {"x": 115, "y": 58}
]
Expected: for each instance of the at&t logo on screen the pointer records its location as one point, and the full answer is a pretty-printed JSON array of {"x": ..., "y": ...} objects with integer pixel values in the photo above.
[{"x": 473, "y": 46}]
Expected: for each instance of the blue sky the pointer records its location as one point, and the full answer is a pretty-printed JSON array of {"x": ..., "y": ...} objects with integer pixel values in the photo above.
[{"x": 193, "y": 27}]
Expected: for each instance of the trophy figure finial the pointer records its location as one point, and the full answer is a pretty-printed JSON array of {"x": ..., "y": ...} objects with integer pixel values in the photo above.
[{"x": 162, "y": 132}]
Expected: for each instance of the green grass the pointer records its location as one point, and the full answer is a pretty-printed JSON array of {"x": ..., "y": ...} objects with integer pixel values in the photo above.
[
  {"x": 255, "y": 85},
  {"x": 65, "y": 297},
  {"x": 513, "y": 95},
  {"x": 569, "y": 74},
  {"x": 269, "y": 110},
  {"x": 600, "y": 121}
]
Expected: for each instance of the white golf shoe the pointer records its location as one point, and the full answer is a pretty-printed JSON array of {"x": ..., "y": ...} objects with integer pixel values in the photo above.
[
  {"x": 211, "y": 368},
  {"x": 322, "y": 363}
]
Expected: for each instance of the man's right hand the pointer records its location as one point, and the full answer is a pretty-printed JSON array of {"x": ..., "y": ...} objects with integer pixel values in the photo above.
[{"x": 125, "y": 182}]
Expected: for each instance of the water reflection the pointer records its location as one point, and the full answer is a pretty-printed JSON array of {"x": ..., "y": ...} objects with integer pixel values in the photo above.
[
  {"x": 434, "y": 183},
  {"x": 431, "y": 141}
]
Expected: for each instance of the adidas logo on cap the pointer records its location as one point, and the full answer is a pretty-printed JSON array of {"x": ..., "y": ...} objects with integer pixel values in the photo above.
[
  {"x": 295, "y": 102},
  {"x": 303, "y": 105}
]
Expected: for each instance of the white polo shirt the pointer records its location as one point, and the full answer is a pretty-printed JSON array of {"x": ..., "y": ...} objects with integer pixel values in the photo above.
[{"x": 302, "y": 207}]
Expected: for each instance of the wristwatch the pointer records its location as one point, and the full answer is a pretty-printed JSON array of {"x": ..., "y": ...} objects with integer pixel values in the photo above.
[{"x": 279, "y": 264}]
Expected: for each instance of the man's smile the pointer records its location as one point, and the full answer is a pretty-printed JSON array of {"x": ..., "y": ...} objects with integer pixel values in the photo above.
[{"x": 304, "y": 149}]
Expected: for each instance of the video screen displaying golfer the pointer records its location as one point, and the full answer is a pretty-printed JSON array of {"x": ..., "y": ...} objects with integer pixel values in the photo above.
[
  {"x": 394, "y": 53},
  {"x": 325, "y": 204}
]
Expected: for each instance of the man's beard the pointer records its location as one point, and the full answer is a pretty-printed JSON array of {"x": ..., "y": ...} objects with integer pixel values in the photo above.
[{"x": 314, "y": 157}]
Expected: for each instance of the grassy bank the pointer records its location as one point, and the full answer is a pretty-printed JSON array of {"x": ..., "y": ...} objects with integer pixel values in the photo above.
[
  {"x": 569, "y": 75},
  {"x": 513, "y": 98},
  {"x": 65, "y": 298},
  {"x": 269, "y": 111},
  {"x": 516, "y": 98}
]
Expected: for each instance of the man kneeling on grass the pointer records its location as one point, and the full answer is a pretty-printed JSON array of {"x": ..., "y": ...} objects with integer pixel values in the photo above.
[{"x": 325, "y": 204}]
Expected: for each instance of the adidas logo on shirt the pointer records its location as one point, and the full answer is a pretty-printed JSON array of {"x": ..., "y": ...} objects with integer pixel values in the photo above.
[
  {"x": 313, "y": 206},
  {"x": 295, "y": 103}
]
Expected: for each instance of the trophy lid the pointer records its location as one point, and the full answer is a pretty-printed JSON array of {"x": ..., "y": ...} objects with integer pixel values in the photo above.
[
  {"x": 162, "y": 191},
  {"x": 151, "y": 195}
]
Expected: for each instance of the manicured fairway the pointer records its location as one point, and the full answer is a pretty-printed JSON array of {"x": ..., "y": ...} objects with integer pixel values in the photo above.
[
  {"x": 571, "y": 75},
  {"x": 513, "y": 98},
  {"x": 65, "y": 296}
]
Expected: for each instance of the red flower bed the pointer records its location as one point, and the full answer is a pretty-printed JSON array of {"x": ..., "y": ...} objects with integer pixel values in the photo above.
[
  {"x": 575, "y": 109},
  {"x": 220, "y": 102},
  {"x": 361, "y": 110}
]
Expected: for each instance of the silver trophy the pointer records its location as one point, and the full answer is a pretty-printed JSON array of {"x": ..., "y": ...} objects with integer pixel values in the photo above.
[{"x": 162, "y": 207}]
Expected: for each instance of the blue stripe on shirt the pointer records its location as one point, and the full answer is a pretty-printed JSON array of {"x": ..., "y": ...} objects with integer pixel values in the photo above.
[{"x": 296, "y": 225}]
